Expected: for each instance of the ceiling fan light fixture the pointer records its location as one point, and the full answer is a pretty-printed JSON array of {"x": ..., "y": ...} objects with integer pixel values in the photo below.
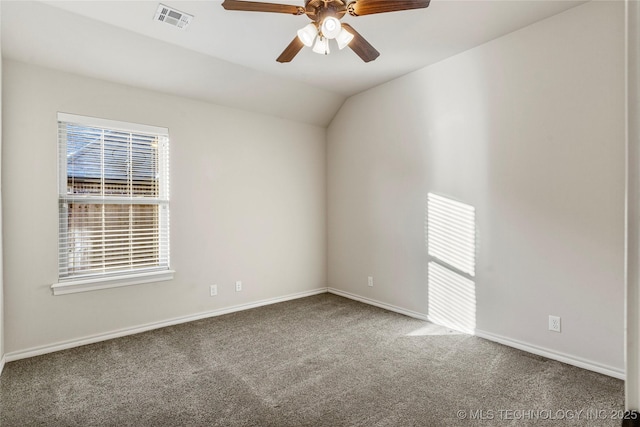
[
  {"x": 331, "y": 27},
  {"x": 326, "y": 15},
  {"x": 344, "y": 38},
  {"x": 321, "y": 46},
  {"x": 308, "y": 34}
]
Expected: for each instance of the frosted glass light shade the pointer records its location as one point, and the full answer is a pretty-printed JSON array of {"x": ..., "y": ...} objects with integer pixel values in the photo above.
[
  {"x": 344, "y": 38},
  {"x": 321, "y": 46},
  {"x": 307, "y": 34},
  {"x": 331, "y": 27}
]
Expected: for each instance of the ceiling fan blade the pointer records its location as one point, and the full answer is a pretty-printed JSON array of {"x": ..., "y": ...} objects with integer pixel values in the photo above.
[
  {"x": 256, "y": 6},
  {"x": 360, "y": 45},
  {"x": 368, "y": 7},
  {"x": 290, "y": 51}
]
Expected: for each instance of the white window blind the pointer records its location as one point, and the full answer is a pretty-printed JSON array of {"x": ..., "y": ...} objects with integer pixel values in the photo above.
[{"x": 113, "y": 198}]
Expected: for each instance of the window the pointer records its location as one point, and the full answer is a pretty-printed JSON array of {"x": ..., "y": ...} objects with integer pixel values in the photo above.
[{"x": 113, "y": 204}]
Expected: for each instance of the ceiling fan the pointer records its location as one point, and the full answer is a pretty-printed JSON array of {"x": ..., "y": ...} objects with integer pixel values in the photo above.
[{"x": 325, "y": 16}]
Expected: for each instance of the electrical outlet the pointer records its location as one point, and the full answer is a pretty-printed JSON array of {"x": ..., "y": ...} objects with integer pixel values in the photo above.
[
  {"x": 213, "y": 290},
  {"x": 370, "y": 281},
  {"x": 554, "y": 323},
  {"x": 238, "y": 286}
]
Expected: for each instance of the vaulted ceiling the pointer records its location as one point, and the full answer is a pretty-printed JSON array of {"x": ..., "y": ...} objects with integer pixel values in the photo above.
[{"x": 228, "y": 57}]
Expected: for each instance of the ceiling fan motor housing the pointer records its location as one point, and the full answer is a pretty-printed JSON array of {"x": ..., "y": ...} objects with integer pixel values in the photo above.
[{"x": 317, "y": 10}]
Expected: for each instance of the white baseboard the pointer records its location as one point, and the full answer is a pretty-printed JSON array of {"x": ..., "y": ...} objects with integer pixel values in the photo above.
[
  {"x": 64, "y": 345},
  {"x": 380, "y": 304},
  {"x": 554, "y": 355},
  {"x": 520, "y": 345},
  {"x": 2, "y": 362}
]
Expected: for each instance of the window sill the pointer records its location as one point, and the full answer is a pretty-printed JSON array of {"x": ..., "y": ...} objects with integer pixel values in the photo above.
[{"x": 95, "y": 284}]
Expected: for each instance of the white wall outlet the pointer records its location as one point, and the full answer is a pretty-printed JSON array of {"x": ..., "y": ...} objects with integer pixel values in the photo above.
[
  {"x": 213, "y": 290},
  {"x": 370, "y": 281},
  {"x": 554, "y": 323},
  {"x": 238, "y": 286}
]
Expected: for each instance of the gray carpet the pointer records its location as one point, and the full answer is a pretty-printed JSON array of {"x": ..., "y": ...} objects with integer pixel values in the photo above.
[{"x": 317, "y": 361}]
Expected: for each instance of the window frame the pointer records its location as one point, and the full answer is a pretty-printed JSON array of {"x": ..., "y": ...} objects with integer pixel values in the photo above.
[{"x": 95, "y": 281}]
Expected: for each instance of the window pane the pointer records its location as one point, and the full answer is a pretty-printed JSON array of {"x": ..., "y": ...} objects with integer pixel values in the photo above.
[
  {"x": 111, "y": 163},
  {"x": 84, "y": 148},
  {"x": 108, "y": 238}
]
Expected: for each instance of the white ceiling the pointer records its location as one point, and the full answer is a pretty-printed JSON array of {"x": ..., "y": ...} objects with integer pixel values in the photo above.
[{"x": 228, "y": 57}]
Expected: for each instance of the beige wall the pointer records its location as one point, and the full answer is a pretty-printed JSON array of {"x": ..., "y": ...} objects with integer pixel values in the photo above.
[
  {"x": 529, "y": 129},
  {"x": 247, "y": 203},
  {"x": 1, "y": 239},
  {"x": 632, "y": 385}
]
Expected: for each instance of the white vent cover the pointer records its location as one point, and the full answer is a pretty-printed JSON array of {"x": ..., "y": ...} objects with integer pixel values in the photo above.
[{"x": 172, "y": 16}]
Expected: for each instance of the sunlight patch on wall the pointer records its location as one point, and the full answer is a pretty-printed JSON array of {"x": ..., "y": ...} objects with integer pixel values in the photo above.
[
  {"x": 451, "y": 244},
  {"x": 452, "y": 233},
  {"x": 452, "y": 299}
]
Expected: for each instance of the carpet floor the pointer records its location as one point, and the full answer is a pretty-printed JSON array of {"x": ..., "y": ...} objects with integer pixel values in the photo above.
[{"x": 317, "y": 361}]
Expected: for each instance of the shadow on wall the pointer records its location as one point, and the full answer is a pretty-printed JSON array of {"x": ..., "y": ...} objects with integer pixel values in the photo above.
[{"x": 450, "y": 235}]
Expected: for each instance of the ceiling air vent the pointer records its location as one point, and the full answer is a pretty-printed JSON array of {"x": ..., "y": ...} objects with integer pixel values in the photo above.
[{"x": 172, "y": 16}]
